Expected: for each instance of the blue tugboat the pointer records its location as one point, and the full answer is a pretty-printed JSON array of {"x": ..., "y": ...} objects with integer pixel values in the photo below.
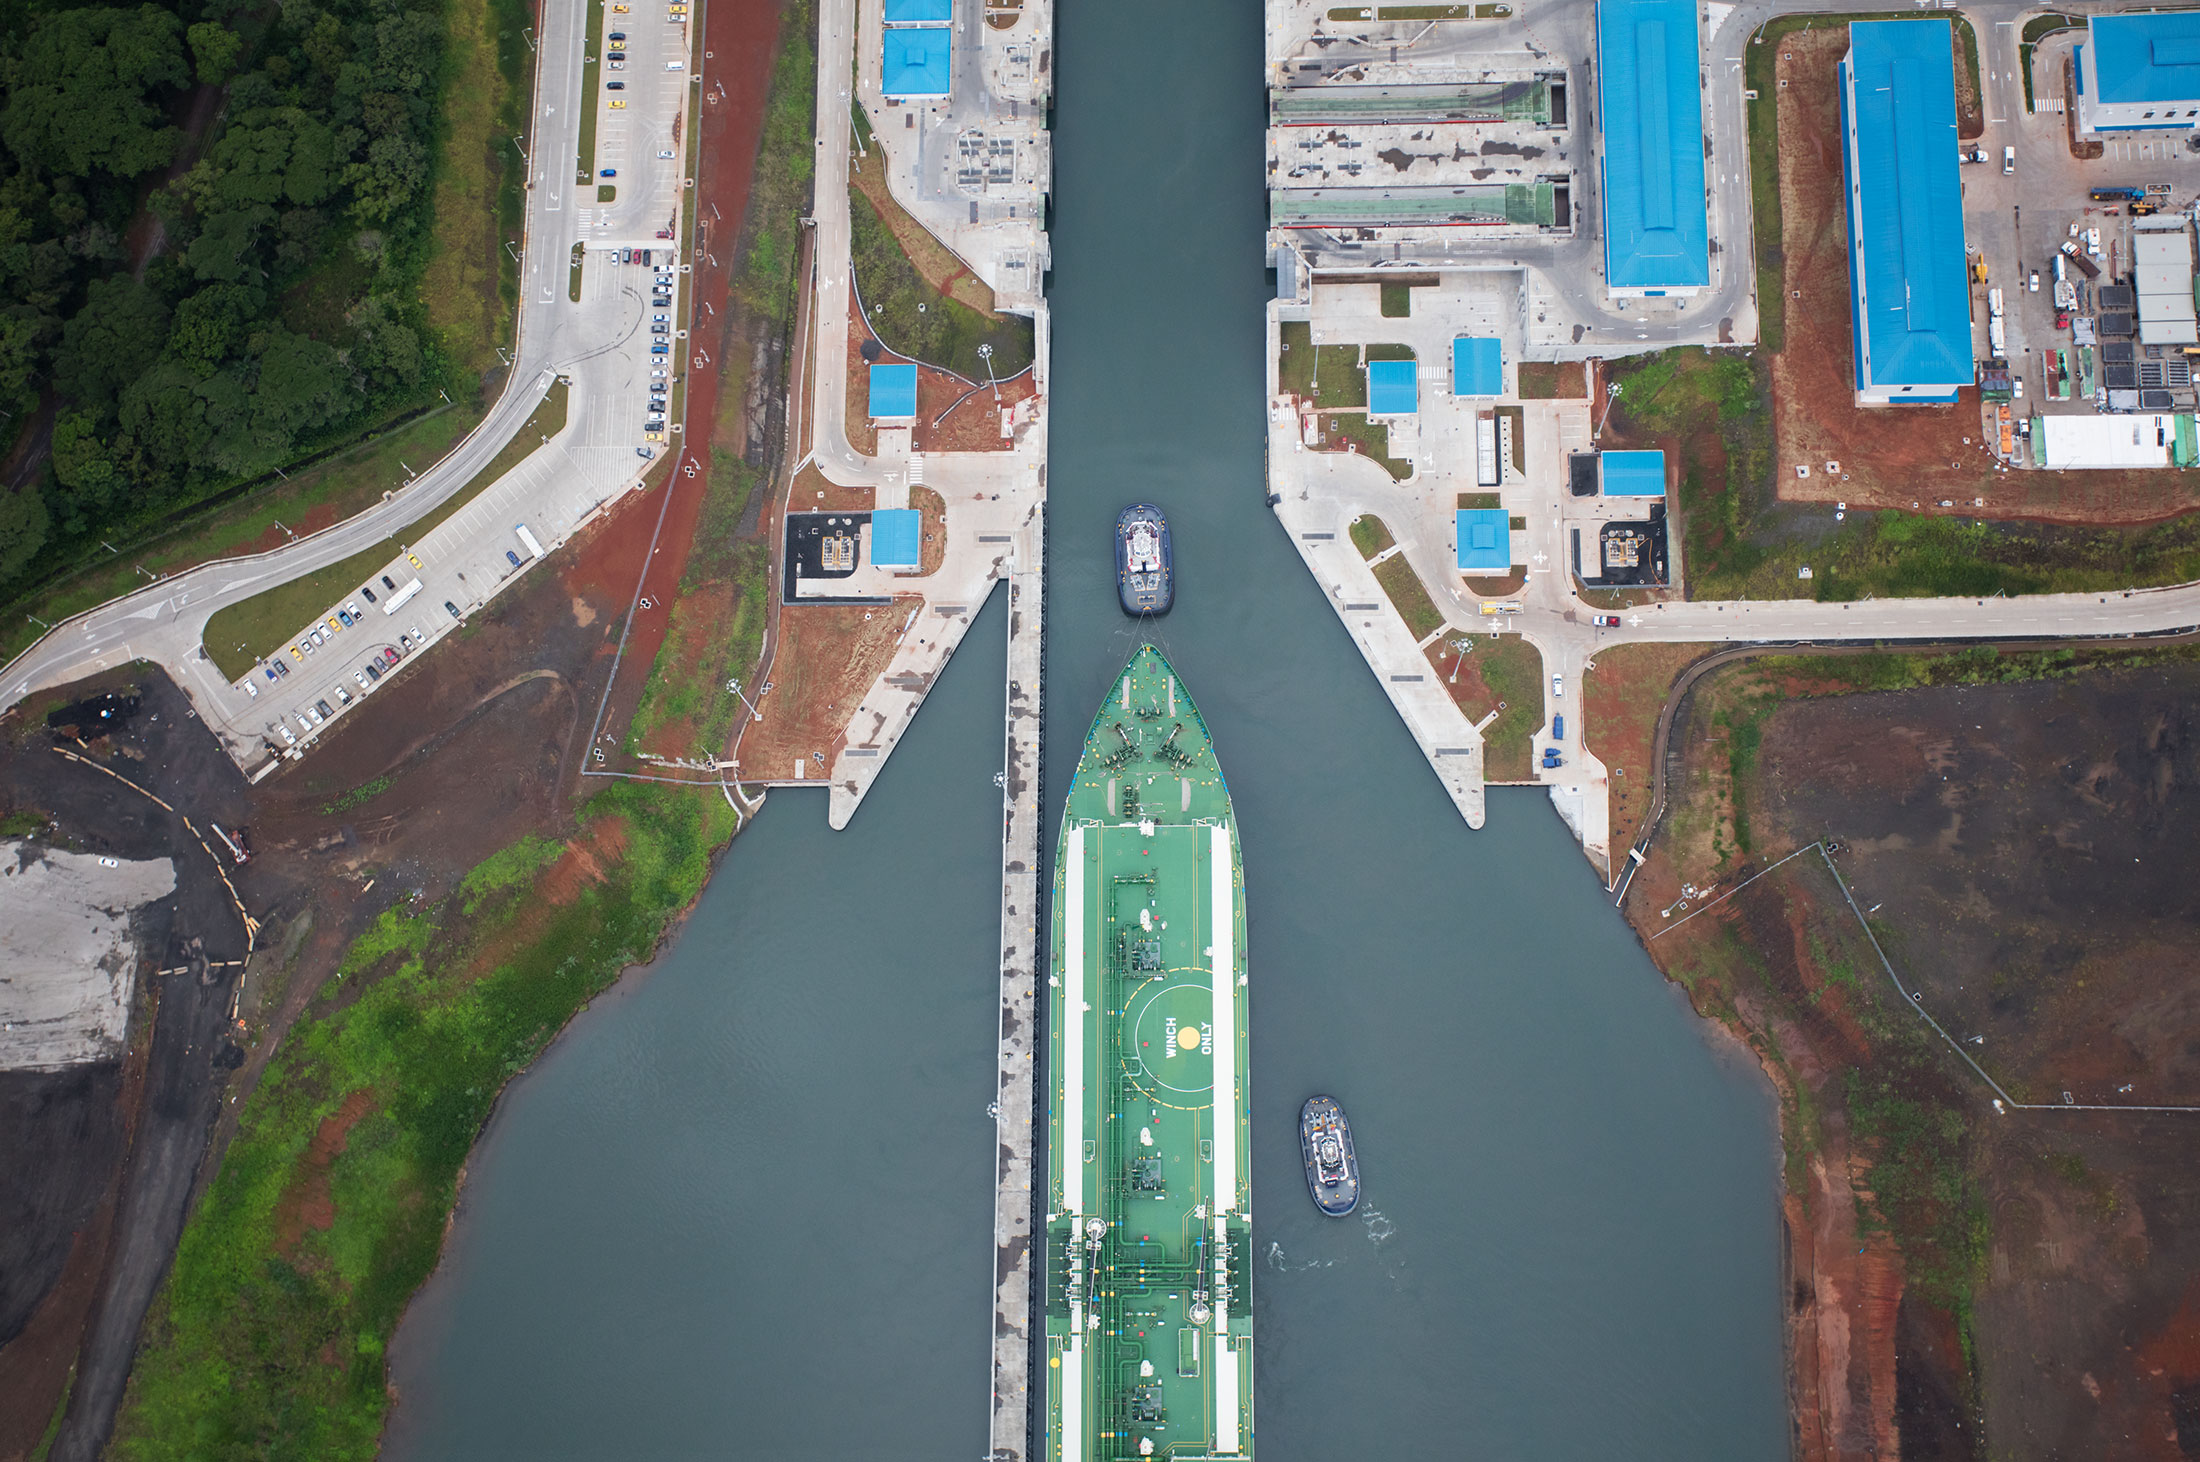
[
  {"x": 1143, "y": 577},
  {"x": 1332, "y": 1169}
]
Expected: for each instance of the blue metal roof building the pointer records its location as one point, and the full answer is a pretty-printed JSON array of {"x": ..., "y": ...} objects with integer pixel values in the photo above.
[
  {"x": 919, "y": 12},
  {"x": 1909, "y": 294},
  {"x": 2140, "y": 72},
  {"x": 895, "y": 538},
  {"x": 915, "y": 60},
  {"x": 1393, "y": 388},
  {"x": 1656, "y": 234},
  {"x": 893, "y": 392},
  {"x": 1485, "y": 540},
  {"x": 1631, "y": 474},
  {"x": 1477, "y": 366}
]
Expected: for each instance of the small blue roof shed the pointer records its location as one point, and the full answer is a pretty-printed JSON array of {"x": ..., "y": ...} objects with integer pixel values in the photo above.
[
  {"x": 1393, "y": 388},
  {"x": 915, "y": 64},
  {"x": 895, "y": 538},
  {"x": 1631, "y": 474},
  {"x": 1477, "y": 366},
  {"x": 893, "y": 392},
  {"x": 1485, "y": 540}
]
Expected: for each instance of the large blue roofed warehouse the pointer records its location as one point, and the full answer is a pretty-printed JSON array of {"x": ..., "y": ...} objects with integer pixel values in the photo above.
[
  {"x": 1909, "y": 300},
  {"x": 1656, "y": 233},
  {"x": 2140, "y": 72}
]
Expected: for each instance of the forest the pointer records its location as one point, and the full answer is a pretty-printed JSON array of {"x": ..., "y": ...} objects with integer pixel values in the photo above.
[{"x": 214, "y": 217}]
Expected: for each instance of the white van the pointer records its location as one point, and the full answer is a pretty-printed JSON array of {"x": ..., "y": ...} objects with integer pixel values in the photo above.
[{"x": 1558, "y": 686}]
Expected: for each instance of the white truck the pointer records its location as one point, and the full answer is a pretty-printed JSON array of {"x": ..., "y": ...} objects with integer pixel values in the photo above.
[{"x": 527, "y": 541}]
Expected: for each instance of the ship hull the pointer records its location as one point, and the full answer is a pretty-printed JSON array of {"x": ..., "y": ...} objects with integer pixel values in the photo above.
[{"x": 1148, "y": 1294}]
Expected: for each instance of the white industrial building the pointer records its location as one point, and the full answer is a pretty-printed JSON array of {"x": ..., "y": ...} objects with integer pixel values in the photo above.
[
  {"x": 2161, "y": 272},
  {"x": 2105, "y": 441}
]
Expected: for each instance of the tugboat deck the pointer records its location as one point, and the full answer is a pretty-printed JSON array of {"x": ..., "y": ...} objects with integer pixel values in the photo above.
[{"x": 1148, "y": 1301}]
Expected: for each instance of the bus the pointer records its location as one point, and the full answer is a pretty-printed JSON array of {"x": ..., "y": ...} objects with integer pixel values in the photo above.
[
  {"x": 398, "y": 599},
  {"x": 534, "y": 549}
]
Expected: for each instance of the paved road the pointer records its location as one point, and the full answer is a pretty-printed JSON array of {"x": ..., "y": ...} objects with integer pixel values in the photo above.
[{"x": 600, "y": 343}]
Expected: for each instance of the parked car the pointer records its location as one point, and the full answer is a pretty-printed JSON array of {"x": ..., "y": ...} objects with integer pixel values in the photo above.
[
  {"x": 664, "y": 152},
  {"x": 288, "y": 739},
  {"x": 616, "y": 36},
  {"x": 344, "y": 617},
  {"x": 389, "y": 657},
  {"x": 387, "y": 584},
  {"x": 361, "y": 677},
  {"x": 368, "y": 590},
  {"x": 343, "y": 696},
  {"x": 609, "y": 173},
  {"x": 1558, "y": 686},
  {"x": 614, "y": 86},
  {"x": 644, "y": 452},
  {"x": 311, "y": 715},
  {"x": 447, "y": 604},
  {"x": 511, "y": 557},
  {"x": 1607, "y": 621},
  {"x": 2008, "y": 161},
  {"x": 1975, "y": 154},
  {"x": 323, "y": 707},
  {"x": 413, "y": 560},
  {"x": 297, "y": 654},
  {"x": 250, "y": 689}
]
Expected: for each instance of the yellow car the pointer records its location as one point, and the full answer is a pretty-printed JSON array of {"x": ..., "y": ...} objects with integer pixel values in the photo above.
[
  {"x": 413, "y": 559},
  {"x": 333, "y": 627},
  {"x": 618, "y": 106},
  {"x": 620, "y": 9},
  {"x": 653, "y": 436},
  {"x": 297, "y": 654}
]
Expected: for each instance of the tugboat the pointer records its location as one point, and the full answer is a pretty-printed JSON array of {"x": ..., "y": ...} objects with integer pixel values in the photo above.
[
  {"x": 1143, "y": 578},
  {"x": 1332, "y": 1171}
]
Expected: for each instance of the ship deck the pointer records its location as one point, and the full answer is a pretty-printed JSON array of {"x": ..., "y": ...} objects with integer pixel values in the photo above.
[{"x": 1148, "y": 1302}]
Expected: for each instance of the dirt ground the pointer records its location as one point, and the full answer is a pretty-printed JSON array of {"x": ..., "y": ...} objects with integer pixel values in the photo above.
[
  {"x": 1623, "y": 691},
  {"x": 828, "y": 656},
  {"x": 2023, "y": 854},
  {"x": 1891, "y": 457}
]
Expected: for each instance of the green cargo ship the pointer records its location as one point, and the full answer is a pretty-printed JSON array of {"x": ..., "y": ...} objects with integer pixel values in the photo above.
[{"x": 1149, "y": 1345}]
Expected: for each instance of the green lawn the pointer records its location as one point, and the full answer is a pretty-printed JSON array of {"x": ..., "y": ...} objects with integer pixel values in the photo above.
[
  {"x": 914, "y": 319},
  {"x": 717, "y": 629},
  {"x": 1373, "y": 439},
  {"x": 591, "y": 102},
  {"x": 1408, "y": 596},
  {"x": 249, "y": 631},
  {"x": 1513, "y": 670},
  {"x": 1370, "y": 536},
  {"x": 1330, "y": 376}
]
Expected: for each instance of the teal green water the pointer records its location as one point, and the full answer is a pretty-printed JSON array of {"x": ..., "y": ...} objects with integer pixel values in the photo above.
[{"x": 743, "y": 1208}]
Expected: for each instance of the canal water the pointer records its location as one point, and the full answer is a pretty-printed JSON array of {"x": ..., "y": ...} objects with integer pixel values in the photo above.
[{"x": 743, "y": 1208}]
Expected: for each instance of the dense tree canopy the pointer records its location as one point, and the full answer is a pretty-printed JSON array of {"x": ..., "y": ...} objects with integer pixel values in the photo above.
[{"x": 264, "y": 300}]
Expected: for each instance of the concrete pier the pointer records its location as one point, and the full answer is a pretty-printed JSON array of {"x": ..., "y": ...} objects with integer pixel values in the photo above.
[{"x": 1015, "y": 1155}]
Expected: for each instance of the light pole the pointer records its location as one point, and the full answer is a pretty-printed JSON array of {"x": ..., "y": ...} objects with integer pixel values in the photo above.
[
  {"x": 1611, "y": 394},
  {"x": 985, "y": 353},
  {"x": 735, "y": 687},
  {"x": 34, "y": 619}
]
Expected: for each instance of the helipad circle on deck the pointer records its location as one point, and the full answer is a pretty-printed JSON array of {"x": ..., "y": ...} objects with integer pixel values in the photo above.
[{"x": 1163, "y": 1064}]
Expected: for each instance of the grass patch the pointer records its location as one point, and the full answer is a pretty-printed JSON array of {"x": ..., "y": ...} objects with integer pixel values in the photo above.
[
  {"x": 22, "y": 824},
  {"x": 915, "y": 319},
  {"x": 508, "y": 868},
  {"x": 1513, "y": 670},
  {"x": 591, "y": 99},
  {"x": 266, "y": 1328},
  {"x": 471, "y": 284},
  {"x": 1390, "y": 352},
  {"x": 779, "y": 191},
  {"x": 1409, "y": 596},
  {"x": 1329, "y": 375},
  {"x": 573, "y": 273},
  {"x": 1370, "y": 536},
  {"x": 1473, "y": 500},
  {"x": 717, "y": 628},
  {"x": 1370, "y": 438},
  {"x": 244, "y": 633},
  {"x": 607, "y": 192},
  {"x": 1397, "y": 300},
  {"x": 341, "y": 484},
  {"x": 364, "y": 792},
  {"x": 1553, "y": 380},
  {"x": 1719, "y": 407}
]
